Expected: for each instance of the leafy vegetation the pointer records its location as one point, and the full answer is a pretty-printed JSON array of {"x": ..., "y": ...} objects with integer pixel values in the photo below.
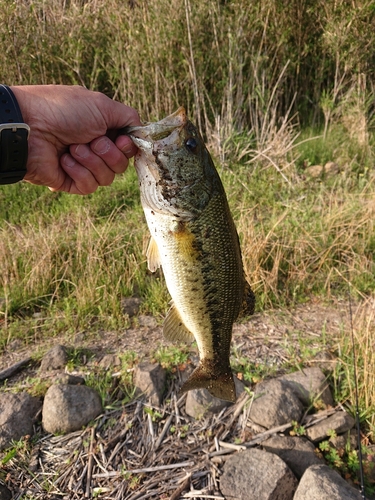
[{"x": 345, "y": 460}]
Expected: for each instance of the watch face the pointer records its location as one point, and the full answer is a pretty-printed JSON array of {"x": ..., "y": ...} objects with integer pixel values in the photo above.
[
  {"x": 13, "y": 152},
  {"x": 14, "y": 135}
]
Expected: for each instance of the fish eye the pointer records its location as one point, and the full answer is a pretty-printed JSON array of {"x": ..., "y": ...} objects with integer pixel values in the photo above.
[{"x": 191, "y": 144}]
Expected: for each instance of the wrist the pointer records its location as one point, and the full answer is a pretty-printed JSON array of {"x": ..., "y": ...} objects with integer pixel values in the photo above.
[{"x": 14, "y": 135}]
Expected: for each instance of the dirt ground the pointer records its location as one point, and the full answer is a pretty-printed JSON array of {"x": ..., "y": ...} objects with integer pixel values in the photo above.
[
  {"x": 89, "y": 462},
  {"x": 271, "y": 337}
]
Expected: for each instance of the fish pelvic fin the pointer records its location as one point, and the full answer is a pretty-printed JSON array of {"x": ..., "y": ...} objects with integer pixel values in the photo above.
[
  {"x": 153, "y": 256},
  {"x": 174, "y": 328},
  {"x": 248, "y": 302},
  {"x": 216, "y": 379}
]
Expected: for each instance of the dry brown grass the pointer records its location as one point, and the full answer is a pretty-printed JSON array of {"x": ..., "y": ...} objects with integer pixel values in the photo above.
[
  {"x": 76, "y": 264},
  {"x": 364, "y": 352},
  {"x": 309, "y": 248}
]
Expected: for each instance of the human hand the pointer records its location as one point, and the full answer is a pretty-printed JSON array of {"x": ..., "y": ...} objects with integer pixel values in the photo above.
[{"x": 72, "y": 144}]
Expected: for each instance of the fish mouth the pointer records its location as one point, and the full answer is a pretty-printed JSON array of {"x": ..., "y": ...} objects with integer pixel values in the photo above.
[{"x": 145, "y": 136}]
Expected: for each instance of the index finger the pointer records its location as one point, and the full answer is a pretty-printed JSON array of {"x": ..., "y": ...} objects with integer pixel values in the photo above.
[{"x": 116, "y": 114}]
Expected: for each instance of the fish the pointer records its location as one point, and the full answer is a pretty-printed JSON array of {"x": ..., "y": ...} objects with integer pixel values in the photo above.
[{"x": 195, "y": 242}]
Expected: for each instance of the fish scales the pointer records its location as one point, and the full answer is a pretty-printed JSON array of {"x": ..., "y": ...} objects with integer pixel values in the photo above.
[{"x": 195, "y": 241}]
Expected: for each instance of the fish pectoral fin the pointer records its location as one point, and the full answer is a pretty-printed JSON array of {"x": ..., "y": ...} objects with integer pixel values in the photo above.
[
  {"x": 174, "y": 328},
  {"x": 153, "y": 256},
  {"x": 248, "y": 301}
]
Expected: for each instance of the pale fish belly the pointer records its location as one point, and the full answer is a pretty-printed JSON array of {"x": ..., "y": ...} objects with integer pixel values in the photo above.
[{"x": 183, "y": 274}]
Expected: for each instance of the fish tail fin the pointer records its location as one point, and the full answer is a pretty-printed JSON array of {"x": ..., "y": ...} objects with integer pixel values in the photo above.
[{"x": 217, "y": 380}]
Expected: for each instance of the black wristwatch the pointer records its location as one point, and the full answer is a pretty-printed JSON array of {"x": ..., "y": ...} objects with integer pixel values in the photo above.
[{"x": 14, "y": 136}]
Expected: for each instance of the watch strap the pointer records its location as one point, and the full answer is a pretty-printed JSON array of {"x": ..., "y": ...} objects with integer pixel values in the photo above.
[{"x": 13, "y": 138}]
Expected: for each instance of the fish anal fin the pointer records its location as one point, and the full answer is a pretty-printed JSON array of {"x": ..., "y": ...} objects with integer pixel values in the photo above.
[
  {"x": 219, "y": 382},
  {"x": 174, "y": 328},
  {"x": 153, "y": 256},
  {"x": 248, "y": 301}
]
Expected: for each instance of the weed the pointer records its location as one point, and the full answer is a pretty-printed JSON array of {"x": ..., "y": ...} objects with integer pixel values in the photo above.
[
  {"x": 9, "y": 455},
  {"x": 154, "y": 414},
  {"x": 343, "y": 375},
  {"x": 111, "y": 389},
  {"x": 297, "y": 430},
  {"x": 346, "y": 462},
  {"x": 77, "y": 357},
  {"x": 171, "y": 357},
  {"x": 35, "y": 386},
  {"x": 184, "y": 429}
]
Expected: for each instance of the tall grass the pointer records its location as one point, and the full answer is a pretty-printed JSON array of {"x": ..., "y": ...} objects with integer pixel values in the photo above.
[
  {"x": 303, "y": 243},
  {"x": 363, "y": 333},
  {"x": 228, "y": 62},
  {"x": 73, "y": 263},
  {"x": 77, "y": 262}
]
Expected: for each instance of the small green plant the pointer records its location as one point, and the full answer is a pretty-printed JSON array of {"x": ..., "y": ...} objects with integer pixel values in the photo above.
[
  {"x": 297, "y": 430},
  {"x": 331, "y": 433},
  {"x": 171, "y": 357},
  {"x": 35, "y": 386},
  {"x": 251, "y": 372},
  {"x": 132, "y": 479},
  {"x": 184, "y": 429},
  {"x": 332, "y": 455},
  {"x": 19, "y": 448},
  {"x": 346, "y": 462},
  {"x": 155, "y": 415},
  {"x": 9, "y": 456},
  {"x": 103, "y": 382},
  {"x": 78, "y": 357}
]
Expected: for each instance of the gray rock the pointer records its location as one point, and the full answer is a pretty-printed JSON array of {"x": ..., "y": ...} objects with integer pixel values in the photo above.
[
  {"x": 149, "y": 379},
  {"x": 331, "y": 169},
  {"x": 340, "y": 422},
  {"x": 257, "y": 474},
  {"x": 67, "y": 408},
  {"x": 200, "y": 402},
  {"x": 275, "y": 403},
  {"x": 320, "y": 482},
  {"x": 130, "y": 305},
  {"x": 5, "y": 494},
  {"x": 297, "y": 452},
  {"x": 309, "y": 384},
  {"x": 17, "y": 416},
  {"x": 314, "y": 171},
  {"x": 147, "y": 321},
  {"x": 110, "y": 361},
  {"x": 55, "y": 358}
]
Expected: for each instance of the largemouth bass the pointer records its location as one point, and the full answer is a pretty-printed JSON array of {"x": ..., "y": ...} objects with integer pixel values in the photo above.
[{"x": 194, "y": 240}]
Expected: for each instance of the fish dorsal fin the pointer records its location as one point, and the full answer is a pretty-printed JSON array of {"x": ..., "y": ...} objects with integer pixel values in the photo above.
[
  {"x": 174, "y": 328},
  {"x": 248, "y": 301},
  {"x": 153, "y": 256}
]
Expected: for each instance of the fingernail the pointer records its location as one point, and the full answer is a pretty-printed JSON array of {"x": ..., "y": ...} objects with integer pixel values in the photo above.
[
  {"x": 69, "y": 161},
  {"x": 102, "y": 146},
  {"x": 82, "y": 151},
  {"x": 127, "y": 150}
]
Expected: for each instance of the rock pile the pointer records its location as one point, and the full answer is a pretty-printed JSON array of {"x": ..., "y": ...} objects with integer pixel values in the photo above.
[{"x": 281, "y": 467}]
